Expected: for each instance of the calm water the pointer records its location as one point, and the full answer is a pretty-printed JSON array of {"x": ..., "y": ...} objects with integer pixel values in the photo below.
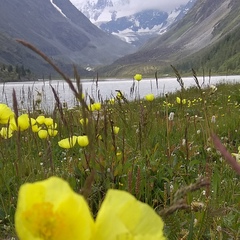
[{"x": 27, "y": 92}]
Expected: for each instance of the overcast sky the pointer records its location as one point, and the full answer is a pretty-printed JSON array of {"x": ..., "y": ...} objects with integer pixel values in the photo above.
[{"x": 165, "y": 5}]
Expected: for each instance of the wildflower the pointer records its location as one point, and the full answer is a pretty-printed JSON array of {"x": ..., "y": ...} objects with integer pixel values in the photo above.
[
  {"x": 5, "y": 113},
  {"x": 48, "y": 121},
  {"x": 181, "y": 101},
  {"x": 83, "y": 141},
  {"x": 52, "y": 132},
  {"x": 68, "y": 142},
  {"x": 23, "y": 123},
  {"x": 51, "y": 210},
  {"x": 213, "y": 119},
  {"x": 97, "y": 106},
  {"x": 130, "y": 219},
  {"x": 40, "y": 119},
  {"x": 94, "y": 106},
  {"x": 171, "y": 116},
  {"x": 213, "y": 89},
  {"x": 43, "y": 134},
  {"x": 138, "y": 77},
  {"x": 6, "y": 132},
  {"x": 149, "y": 97},
  {"x": 237, "y": 155},
  {"x": 116, "y": 130},
  {"x": 83, "y": 121}
]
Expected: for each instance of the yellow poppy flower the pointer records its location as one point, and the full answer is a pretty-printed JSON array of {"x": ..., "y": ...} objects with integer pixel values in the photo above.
[
  {"x": 149, "y": 97},
  {"x": 83, "y": 121},
  {"x": 122, "y": 216},
  {"x": 68, "y": 142},
  {"x": 50, "y": 209},
  {"x": 116, "y": 130},
  {"x": 5, "y": 113},
  {"x": 83, "y": 141},
  {"x": 48, "y": 121},
  {"x": 138, "y": 77},
  {"x": 6, "y": 132},
  {"x": 23, "y": 123},
  {"x": 52, "y": 132},
  {"x": 43, "y": 134},
  {"x": 40, "y": 119}
]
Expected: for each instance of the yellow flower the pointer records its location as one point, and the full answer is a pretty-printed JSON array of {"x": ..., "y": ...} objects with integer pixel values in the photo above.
[
  {"x": 48, "y": 121},
  {"x": 42, "y": 134},
  {"x": 40, "y": 119},
  {"x": 83, "y": 141},
  {"x": 116, "y": 129},
  {"x": 83, "y": 121},
  {"x": 5, "y": 113},
  {"x": 138, "y": 77},
  {"x": 122, "y": 216},
  {"x": 23, "y": 123},
  {"x": 6, "y": 132},
  {"x": 149, "y": 97},
  {"x": 181, "y": 101},
  {"x": 50, "y": 210},
  {"x": 97, "y": 106},
  {"x": 68, "y": 142},
  {"x": 52, "y": 132}
]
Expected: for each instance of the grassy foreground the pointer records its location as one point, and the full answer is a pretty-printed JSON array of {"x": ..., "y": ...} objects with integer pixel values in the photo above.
[{"x": 159, "y": 149}]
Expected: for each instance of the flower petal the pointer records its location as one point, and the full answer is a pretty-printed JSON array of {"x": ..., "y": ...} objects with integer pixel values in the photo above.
[
  {"x": 121, "y": 216},
  {"x": 49, "y": 209}
]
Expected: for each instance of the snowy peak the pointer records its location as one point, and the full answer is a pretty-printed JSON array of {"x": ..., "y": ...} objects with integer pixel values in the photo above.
[{"x": 115, "y": 17}]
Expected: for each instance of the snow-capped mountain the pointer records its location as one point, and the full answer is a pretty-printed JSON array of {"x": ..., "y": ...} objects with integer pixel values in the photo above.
[{"x": 117, "y": 18}]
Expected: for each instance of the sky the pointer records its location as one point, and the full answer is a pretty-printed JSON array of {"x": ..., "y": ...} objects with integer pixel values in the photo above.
[{"x": 164, "y": 5}]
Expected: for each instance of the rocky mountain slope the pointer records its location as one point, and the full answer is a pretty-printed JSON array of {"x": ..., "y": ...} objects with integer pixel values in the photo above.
[
  {"x": 58, "y": 29},
  {"x": 208, "y": 22}
]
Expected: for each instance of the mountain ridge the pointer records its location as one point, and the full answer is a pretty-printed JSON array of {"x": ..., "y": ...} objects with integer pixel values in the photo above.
[
  {"x": 202, "y": 27},
  {"x": 66, "y": 36}
]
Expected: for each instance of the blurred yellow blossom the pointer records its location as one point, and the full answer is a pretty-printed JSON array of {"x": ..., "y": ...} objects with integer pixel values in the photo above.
[
  {"x": 116, "y": 129},
  {"x": 42, "y": 133},
  {"x": 130, "y": 219},
  {"x": 23, "y": 123},
  {"x": 138, "y": 77},
  {"x": 83, "y": 121},
  {"x": 83, "y": 141},
  {"x": 51, "y": 210},
  {"x": 149, "y": 97},
  {"x": 68, "y": 142},
  {"x": 5, "y": 113},
  {"x": 40, "y": 119},
  {"x": 6, "y": 132}
]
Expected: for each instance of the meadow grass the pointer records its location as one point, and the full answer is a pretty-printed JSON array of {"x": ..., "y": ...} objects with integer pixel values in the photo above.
[{"x": 166, "y": 160}]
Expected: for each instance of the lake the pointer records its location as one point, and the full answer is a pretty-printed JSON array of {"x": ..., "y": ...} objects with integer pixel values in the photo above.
[{"x": 28, "y": 92}]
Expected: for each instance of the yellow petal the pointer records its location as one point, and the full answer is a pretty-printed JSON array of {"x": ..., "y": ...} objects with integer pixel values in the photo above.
[
  {"x": 49, "y": 209},
  {"x": 138, "y": 77},
  {"x": 6, "y": 132},
  {"x": 52, "y": 132},
  {"x": 48, "y": 121},
  {"x": 121, "y": 216},
  {"x": 5, "y": 113},
  {"x": 83, "y": 141},
  {"x": 23, "y": 122},
  {"x": 68, "y": 142},
  {"x": 40, "y": 119},
  {"x": 116, "y": 130},
  {"x": 42, "y": 134},
  {"x": 149, "y": 97}
]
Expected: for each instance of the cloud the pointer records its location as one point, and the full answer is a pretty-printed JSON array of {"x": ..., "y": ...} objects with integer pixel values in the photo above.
[{"x": 139, "y": 5}]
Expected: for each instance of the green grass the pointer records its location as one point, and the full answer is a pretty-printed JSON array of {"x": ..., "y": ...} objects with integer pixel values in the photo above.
[{"x": 171, "y": 165}]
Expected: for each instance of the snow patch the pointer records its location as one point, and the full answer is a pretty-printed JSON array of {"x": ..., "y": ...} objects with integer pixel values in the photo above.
[{"x": 51, "y": 1}]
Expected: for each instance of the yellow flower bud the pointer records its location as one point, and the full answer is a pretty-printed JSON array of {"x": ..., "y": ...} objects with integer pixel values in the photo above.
[{"x": 83, "y": 141}]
